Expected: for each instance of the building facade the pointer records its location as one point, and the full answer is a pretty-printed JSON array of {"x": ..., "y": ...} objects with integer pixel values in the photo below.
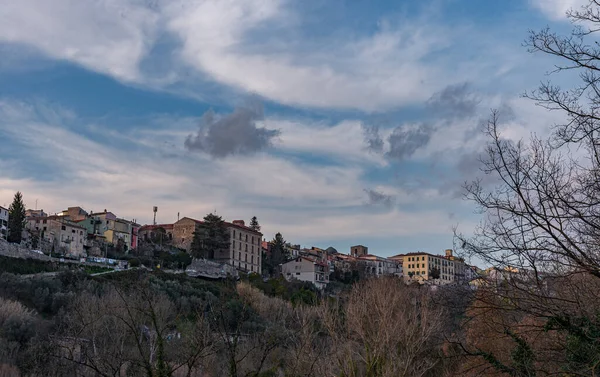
[
  {"x": 245, "y": 247},
  {"x": 440, "y": 269},
  {"x": 66, "y": 237},
  {"x": 307, "y": 269},
  {"x": 3, "y": 222},
  {"x": 156, "y": 233}
]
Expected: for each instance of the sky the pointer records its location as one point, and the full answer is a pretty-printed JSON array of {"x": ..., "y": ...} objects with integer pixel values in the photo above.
[{"x": 335, "y": 122}]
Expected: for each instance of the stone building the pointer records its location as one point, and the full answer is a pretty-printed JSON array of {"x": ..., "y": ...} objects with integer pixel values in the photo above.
[
  {"x": 244, "y": 248},
  {"x": 66, "y": 237}
]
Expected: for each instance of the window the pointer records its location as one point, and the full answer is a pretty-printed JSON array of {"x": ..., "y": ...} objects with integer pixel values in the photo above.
[
  {"x": 246, "y": 238},
  {"x": 45, "y": 221},
  {"x": 252, "y": 239},
  {"x": 72, "y": 230},
  {"x": 245, "y": 257},
  {"x": 252, "y": 259},
  {"x": 44, "y": 228},
  {"x": 233, "y": 244},
  {"x": 240, "y": 246},
  {"x": 240, "y": 256},
  {"x": 246, "y": 247},
  {"x": 234, "y": 234},
  {"x": 63, "y": 227},
  {"x": 252, "y": 249}
]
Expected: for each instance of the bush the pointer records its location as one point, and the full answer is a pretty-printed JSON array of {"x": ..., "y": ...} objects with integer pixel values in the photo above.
[
  {"x": 26, "y": 266},
  {"x": 134, "y": 262}
]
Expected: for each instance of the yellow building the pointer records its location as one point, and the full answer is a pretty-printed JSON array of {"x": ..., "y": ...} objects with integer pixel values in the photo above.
[{"x": 440, "y": 269}]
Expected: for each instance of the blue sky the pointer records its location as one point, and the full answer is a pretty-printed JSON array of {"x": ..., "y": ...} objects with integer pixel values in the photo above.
[{"x": 335, "y": 122}]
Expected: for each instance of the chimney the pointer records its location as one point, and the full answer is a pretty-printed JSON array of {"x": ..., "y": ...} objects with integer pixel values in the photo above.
[
  {"x": 104, "y": 210},
  {"x": 239, "y": 222},
  {"x": 448, "y": 253}
]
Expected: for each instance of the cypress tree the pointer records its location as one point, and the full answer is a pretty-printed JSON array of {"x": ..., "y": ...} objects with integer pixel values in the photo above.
[{"x": 16, "y": 218}]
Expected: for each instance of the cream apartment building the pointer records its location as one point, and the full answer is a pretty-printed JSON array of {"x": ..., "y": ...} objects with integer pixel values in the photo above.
[{"x": 419, "y": 266}]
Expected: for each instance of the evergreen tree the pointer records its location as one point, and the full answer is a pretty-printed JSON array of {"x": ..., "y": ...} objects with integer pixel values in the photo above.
[
  {"x": 16, "y": 218},
  {"x": 211, "y": 238},
  {"x": 278, "y": 254},
  {"x": 254, "y": 225}
]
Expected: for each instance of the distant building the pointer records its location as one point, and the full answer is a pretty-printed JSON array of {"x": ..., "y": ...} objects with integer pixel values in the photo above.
[
  {"x": 359, "y": 250},
  {"x": 64, "y": 236},
  {"x": 421, "y": 266},
  {"x": 365, "y": 264},
  {"x": 245, "y": 249},
  {"x": 35, "y": 213},
  {"x": 305, "y": 268},
  {"x": 245, "y": 246},
  {"x": 149, "y": 233},
  {"x": 3, "y": 222},
  {"x": 112, "y": 228},
  {"x": 74, "y": 214}
]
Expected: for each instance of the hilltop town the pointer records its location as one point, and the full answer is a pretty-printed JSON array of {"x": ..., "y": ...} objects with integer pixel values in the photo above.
[{"x": 104, "y": 237}]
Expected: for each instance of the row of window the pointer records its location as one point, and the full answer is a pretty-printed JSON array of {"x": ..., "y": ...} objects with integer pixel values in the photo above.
[
  {"x": 246, "y": 247},
  {"x": 246, "y": 258},
  {"x": 246, "y": 267},
  {"x": 251, "y": 238}
]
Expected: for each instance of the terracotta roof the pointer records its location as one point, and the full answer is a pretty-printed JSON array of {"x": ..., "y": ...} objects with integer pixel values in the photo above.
[
  {"x": 165, "y": 226},
  {"x": 60, "y": 219},
  {"x": 228, "y": 224}
]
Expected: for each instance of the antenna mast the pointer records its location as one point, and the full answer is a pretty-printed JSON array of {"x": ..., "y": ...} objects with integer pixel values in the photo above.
[{"x": 154, "y": 209}]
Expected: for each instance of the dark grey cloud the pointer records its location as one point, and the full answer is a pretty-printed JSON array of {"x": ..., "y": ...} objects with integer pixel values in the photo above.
[
  {"x": 457, "y": 101},
  {"x": 231, "y": 134},
  {"x": 372, "y": 138},
  {"x": 406, "y": 140},
  {"x": 378, "y": 198}
]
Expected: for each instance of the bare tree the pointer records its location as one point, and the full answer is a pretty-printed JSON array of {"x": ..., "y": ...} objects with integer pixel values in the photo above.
[
  {"x": 541, "y": 224},
  {"x": 132, "y": 333},
  {"x": 385, "y": 329}
]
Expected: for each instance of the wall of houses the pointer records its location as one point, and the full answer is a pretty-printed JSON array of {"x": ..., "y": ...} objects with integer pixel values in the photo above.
[{"x": 64, "y": 235}]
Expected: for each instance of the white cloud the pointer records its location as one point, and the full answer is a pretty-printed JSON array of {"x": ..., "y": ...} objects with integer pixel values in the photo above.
[
  {"x": 557, "y": 9},
  {"x": 385, "y": 69},
  {"x": 342, "y": 141},
  {"x": 107, "y": 36}
]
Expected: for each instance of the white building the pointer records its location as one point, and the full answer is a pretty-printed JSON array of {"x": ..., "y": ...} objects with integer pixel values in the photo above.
[
  {"x": 245, "y": 248},
  {"x": 3, "y": 222},
  {"x": 308, "y": 269}
]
